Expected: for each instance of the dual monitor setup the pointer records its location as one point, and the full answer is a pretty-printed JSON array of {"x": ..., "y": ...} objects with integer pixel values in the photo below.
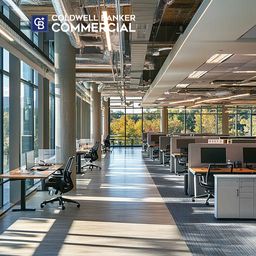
[{"x": 218, "y": 156}]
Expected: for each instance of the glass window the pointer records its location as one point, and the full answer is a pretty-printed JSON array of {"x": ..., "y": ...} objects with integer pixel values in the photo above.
[
  {"x": 151, "y": 120},
  {"x": 209, "y": 120},
  {"x": 6, "y": 66},
  {"x": 243, "y": 122},
  {"x": 117, "y": 126},
  {"x": 133, "y": 126},
  {"x": 36, "y": 145},
  {"x": 26, "y": 72},
  {"x": 52, "y": 115},
  {"x": 193, "y": 121},
  {"x": 176, "y": 118}
]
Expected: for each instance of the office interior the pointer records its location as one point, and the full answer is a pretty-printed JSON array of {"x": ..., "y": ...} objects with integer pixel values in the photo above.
[{"x": 129, "y": 143}]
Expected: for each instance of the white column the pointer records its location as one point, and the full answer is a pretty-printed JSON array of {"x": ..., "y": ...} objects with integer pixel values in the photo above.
[
  {"x": 106, "y": 118},
  {"x": 65, "y": 82},
  {"x": 96, "y": 115}
]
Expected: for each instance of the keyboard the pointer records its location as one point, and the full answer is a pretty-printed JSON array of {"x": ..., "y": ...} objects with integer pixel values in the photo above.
[{"x": 40, "y": 168}]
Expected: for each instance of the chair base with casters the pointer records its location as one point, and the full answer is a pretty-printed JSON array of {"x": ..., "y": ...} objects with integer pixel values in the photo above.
[
  {"x": 202, "y": 196},
  {"x": 91, "y": 166},
  {"x": 61, "y": 200}
]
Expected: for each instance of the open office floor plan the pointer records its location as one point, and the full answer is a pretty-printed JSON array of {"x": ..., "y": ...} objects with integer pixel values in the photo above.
[{"x": 127, "y": 127}]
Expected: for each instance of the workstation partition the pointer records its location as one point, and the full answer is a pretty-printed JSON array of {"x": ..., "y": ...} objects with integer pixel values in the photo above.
[
  {"x": 202, "y": 154},
  {"x": 153, "y": 143},
  {"x": 164, "y": 149}
]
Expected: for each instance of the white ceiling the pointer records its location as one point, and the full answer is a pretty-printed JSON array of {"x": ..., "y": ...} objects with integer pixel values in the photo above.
[{"x": 217, "y": 27}]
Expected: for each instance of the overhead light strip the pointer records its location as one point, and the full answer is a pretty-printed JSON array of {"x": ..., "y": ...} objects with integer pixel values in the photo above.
[
  {"x": 184, "y": 101},
  {"x": 197, "y": 74},
  {"x": 218, "y": 58},
  {"x": 182, "y": 85},
  {"x": 17, "y": 10},
  {"x": 3, "y": 33},
  {"x": 224, "y": 98},
  {"x": 105, "y": 20}
]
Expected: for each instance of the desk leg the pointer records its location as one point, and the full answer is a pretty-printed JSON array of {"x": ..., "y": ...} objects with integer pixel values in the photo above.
[
  {"x": 78, "y": 160},
  {"x": 175, "y": 165},
  {"x": 23, "y": 199},
  {"x": 195, "y": 186}
]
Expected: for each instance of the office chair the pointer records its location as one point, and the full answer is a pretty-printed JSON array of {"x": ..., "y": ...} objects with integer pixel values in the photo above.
[
  {"x": 207, "y": 181},
  {"x": 63, "y": 184},
  {"x": 92, "y": 156},
  {"x": 107, "y": 145}
]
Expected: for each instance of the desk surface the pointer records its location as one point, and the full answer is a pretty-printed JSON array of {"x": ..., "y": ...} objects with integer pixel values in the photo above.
[
  {"x": 198, "y": 170},
  {"x": 178, "y": 154},
  {"x": 22, "y": 174}
]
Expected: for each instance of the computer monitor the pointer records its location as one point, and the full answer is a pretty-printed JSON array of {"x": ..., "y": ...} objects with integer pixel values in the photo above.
[
  {"x": 183, "y": 143},
  {"x": 30, "y": 160},
  {"x": 249, "y": 155},
  {"x": 213, "y": 155}
]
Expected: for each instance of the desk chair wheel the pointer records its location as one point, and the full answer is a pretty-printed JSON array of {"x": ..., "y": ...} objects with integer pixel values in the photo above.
[
  {"x": 78, "y": 206},
  {"x": 207, "y": 203},
  {"x": 193, "y": 199},
  {"x": 42, "y": 205},
  {"x": 63, "y": 207}
]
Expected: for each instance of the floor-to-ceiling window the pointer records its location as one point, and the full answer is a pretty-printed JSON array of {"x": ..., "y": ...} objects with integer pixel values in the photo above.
[
  {"x": 151, "y": 120},
  {"x": 52, "y": 116},
  {"x": 5, "y": 106}
]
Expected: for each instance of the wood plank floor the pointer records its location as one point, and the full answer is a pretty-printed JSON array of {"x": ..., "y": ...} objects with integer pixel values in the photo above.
[{"x": 121, "y": 213}]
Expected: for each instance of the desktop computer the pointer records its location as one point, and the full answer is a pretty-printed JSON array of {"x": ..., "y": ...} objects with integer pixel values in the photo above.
[
  {"x": 213, "y": 155},
  {"x": 249, "y": 157}
]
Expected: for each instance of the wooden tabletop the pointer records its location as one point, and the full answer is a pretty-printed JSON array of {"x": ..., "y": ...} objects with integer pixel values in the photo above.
[
  {"x": 24, "y": 174},
  {"x": 198, "y": 170},
  {"x": 178, "y": 154}
]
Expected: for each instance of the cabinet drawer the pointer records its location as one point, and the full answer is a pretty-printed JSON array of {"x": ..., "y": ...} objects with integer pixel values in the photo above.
[
  {"x": 246, "y": 189},
  {"x": 246, "y": 195},
  {"x": 246, "y": 183}
]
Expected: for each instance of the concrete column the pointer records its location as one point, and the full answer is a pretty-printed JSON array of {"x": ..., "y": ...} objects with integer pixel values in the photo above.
[
  {"x": 65, "y": 82},
  {"x": 225, "y": 122},
  {"x": 164, "y": 120},
  {"x": 96, "y": 115},
  {"x": 78, "y": 118},
  {"x": 43, "y": 113},
  {"x": 106, "y": 105},
  {"x": 87, "y": 120},
  {"x": 14, "y": 125}
]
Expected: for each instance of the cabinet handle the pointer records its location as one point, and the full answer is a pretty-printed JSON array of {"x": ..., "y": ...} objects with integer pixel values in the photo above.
[{"x": 237, "y": 192}]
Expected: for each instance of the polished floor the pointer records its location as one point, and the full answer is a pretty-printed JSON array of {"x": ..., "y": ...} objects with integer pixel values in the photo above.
[
  {"x": 122, "y": 213},
  {"x": 203, "y": 234}
]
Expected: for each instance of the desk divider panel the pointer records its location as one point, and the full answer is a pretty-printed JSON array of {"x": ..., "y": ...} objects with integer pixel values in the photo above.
[
  {"x": 164, "y": 141},
  {"x": 234, "y": 152},
  {"x": 153, "y": 138}
]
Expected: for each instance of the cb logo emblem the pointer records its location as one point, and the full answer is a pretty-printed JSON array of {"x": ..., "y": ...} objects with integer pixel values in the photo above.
[{"x": 39, "y": 23}]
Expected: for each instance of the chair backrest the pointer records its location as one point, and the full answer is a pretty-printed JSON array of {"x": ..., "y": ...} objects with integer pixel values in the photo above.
[
  {"x": 68, "y": 171},
  {"x": 96, "y": 146},
  {"x": 217, "y": 169}
]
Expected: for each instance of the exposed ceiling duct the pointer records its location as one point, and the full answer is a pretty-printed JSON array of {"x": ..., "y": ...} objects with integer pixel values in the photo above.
[
  {"x": 144, "y": 11},
  {"x": 63, "y": 7}
]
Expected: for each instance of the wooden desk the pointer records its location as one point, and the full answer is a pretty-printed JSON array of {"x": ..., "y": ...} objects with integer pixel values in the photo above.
[
  {"x": 196, "y": 171},
  {"x": 23, "y": 175}
]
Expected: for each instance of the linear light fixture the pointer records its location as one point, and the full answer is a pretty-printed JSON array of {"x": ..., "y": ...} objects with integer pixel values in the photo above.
[
  {"x": 182, "y": 85},
  {"x": 244, "y": 72},
  {"x": 3, "y": 33},
  {"x": 161, "y": 99},
  {"x": 184, "y": 101},
  {"x": 218, "y": 58},
  {"x": 197, "y": 74},
  {"x": 105, "y": 20},
  {"x": 17, "y": 10},
  {"x": 224, "y": 98}
]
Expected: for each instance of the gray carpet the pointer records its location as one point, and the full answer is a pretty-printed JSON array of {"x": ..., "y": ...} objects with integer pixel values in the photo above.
[{"x": 203, "y": 234}]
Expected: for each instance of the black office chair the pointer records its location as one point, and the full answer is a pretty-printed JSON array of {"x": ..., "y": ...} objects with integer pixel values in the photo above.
[
  {"x": 61, "y": 183},
  {"x": 92, "y": 156},
  {"x": 207, "y": 181},
  {"x": 107, "y": 145}
]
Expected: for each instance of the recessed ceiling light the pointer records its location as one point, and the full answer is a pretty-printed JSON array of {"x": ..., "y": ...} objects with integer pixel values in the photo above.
[
  {"x": 197, "y": 74},
  {"x": 245, "y": 72},
  {"x": 218, "y": 58},
  {"x": 182, "y": 85}
]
